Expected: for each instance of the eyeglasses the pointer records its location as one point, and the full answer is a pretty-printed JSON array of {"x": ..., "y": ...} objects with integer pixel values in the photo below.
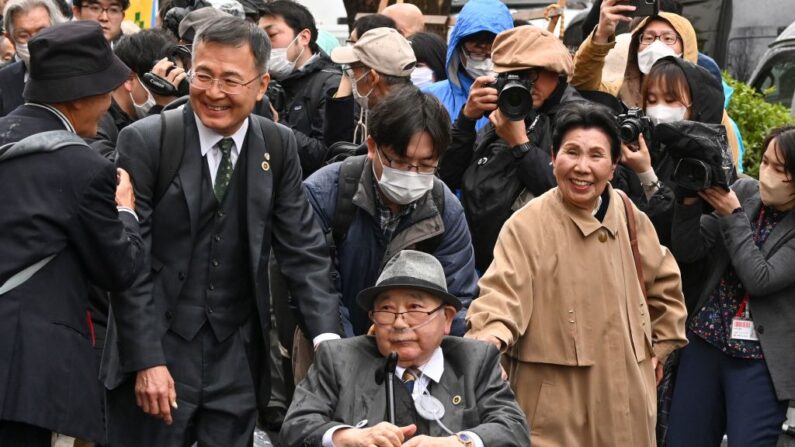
[
  {"x": 204, "y": 81},
  {"x": 648, "y": 38},
  {"x": 96, "y": 10},
  {"x": 411, "y": 317},
  {"x": 403, "y": 166}
]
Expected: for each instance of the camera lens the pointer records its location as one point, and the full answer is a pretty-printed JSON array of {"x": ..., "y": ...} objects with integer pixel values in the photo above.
[
  {"x": 515, "y": 101},
  {"x": 630, "y": 130}
]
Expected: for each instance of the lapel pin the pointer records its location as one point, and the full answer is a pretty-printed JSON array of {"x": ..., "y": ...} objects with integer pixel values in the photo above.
[
  {"x": 456, "y": 400},
  {"x": 265, "y": 166},
  {"x": 267, "y": 156}
]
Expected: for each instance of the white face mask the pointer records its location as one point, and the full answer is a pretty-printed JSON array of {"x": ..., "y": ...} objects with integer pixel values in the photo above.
[
  {"x": 666, "y": 114},
  {"x": 279, "y": 66},
  {"x": 360, "y": 99},
  {"x": 422, "y": 76},
  {"x": 23, "y": 53},
  {"x": 654, "y": 52},
  {"x": 142, "y": 110},
  {"x": 477, "y": 68},
  {"x": 402, "y": 187}
]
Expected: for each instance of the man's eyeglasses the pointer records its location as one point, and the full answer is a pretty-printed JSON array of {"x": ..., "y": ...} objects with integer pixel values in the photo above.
[
  {"x": 403, "y": 166},
  {"x": 411, "y": 317},
  {"x": 96, "y": 10},
  {"x": 204, "y": 81},
  {"x": 648, "y": 38}
]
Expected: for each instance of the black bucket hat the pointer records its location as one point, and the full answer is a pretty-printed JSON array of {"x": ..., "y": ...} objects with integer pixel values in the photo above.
[
  {"x": 412, "y": 270},
  {"x": 70, "y": 61}
]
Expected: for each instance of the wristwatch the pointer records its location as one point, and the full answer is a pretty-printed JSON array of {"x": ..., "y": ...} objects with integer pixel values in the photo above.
[
  {"x": 519, "y": 150},
  {"x": 465, "y": 439}
]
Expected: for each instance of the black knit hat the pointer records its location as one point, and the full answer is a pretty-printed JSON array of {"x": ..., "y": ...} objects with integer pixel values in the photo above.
[{"x": 70, "y": 61}]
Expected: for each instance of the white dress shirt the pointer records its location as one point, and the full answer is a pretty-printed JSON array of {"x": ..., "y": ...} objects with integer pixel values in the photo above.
[
  {"x": 208, "y": 141},
  {"x": 432, "y": 370}
]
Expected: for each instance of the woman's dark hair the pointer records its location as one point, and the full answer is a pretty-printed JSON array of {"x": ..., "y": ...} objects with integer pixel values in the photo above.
[
  {"x": 670, "y": 79},
  {"x": 431, "y": 50},
  {"x": 296, "y": 16},
  {"x": 372, "y": 21},
  {"x": 785, "y": 139},
  {"x": 405, "y": 112},
  {"x": 584, "y": 115}
]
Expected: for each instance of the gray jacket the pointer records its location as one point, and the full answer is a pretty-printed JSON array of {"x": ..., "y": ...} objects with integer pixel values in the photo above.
[
  {"x": 340, "y": 389},
  {"x": 767, "y": 273}
]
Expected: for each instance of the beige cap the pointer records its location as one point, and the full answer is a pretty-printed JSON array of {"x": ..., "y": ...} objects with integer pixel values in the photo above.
[
  {"x": 528, "y": 46},
  {"x": 382, "y": 49}
]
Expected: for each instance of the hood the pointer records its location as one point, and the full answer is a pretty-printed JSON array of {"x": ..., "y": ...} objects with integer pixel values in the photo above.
[
  {"x": 633, "y": 78},
  {"x": 705, "y": 91},
  {"x": 476, "y": 16}
]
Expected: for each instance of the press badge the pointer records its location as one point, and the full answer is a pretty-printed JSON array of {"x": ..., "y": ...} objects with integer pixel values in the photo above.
[{"x": 743, "y": 329}]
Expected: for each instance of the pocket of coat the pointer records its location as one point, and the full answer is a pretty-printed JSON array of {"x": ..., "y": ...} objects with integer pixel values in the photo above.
[{"x": 543, "y": 416}]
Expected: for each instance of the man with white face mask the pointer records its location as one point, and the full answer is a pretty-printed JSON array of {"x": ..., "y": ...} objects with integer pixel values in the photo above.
[
  {"x": 305, "y": 73},
  {"x": 22, "y": 19},
  {"x": 372, "y": 206},
  {"x": 666, "y": 34}
]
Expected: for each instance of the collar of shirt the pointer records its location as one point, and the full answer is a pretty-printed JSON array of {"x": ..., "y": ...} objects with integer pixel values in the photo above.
[
  {"x": 57, "y": 113},
  {"x": 431, "y": 370},
  {"x": 208, "y": 138},
  {"x": 387, "y": 220}
]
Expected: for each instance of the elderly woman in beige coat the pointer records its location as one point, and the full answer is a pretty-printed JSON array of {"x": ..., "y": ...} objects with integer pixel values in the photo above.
[{"x": 563, "y": 300}]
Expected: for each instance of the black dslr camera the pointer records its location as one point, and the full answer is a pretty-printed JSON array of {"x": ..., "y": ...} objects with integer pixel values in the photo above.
[
  {"x": 277, "y": 96},
  {"x": 513, "y": 89},
  {"x": 633, "y": 124}
]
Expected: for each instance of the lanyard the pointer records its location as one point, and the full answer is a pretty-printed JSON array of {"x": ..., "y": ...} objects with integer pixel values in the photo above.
[{"x": 744, "y": 310}]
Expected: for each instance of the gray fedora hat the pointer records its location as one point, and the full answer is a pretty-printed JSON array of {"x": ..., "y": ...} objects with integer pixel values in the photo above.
[
  {"x": 412, "y": 270},
  {"x": 70, "y": 61}
]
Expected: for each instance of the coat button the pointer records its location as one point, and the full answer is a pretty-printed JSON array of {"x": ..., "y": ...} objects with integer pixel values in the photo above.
[
  {"x": 169, "y": 315},
  {"x": 220, "y": 213},
  {"x": 181, "y": 276},
  {"x": 211, "y": 286},
  {"x": 217, "y": 238},
  {"x": 216, "y": 263},
  {"x": 209, "y": 310},
  {"x": 760, "y": 329},
  {"x": 602, "y": 236}
]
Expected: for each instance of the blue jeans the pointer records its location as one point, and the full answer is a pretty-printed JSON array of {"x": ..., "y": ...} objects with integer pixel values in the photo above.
[{"x": 716, "y": 394}]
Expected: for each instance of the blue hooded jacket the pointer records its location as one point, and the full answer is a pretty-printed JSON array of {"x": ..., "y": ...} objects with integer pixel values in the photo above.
[{"x": 476, "y": 16}]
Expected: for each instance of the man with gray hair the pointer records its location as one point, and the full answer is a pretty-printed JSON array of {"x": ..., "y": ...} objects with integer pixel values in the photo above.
[
  {"x": 187, "y": 342},
  {"x": 22, "y": 19}
]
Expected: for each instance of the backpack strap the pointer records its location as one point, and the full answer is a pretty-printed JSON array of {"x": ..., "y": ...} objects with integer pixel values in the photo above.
[
  {"x": 172, "y": 148},
  {"x": 273, "y": 144},
  {"x": 633, "y": 240},
  {"x": 437, "y": 193},
  {"x": 49, "y": 141},
  {"x": 314, "y": 91},
  {"x": 350, "y": 173}
]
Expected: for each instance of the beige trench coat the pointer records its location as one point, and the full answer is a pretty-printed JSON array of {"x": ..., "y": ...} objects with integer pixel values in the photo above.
[{"x": 563, "y": 295}]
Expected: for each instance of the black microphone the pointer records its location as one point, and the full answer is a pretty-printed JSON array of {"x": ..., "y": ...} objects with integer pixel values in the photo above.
[{"x": 389, "y": 374}]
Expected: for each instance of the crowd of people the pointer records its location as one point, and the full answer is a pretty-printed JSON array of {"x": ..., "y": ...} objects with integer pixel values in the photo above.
[{"x": 232, "y": 220}]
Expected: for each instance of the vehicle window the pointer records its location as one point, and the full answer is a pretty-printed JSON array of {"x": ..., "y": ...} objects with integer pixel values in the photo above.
[{"x": 778, "y": 79}]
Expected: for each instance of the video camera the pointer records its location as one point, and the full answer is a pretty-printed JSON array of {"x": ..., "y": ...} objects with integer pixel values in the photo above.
[
  {"x": 514, "y": 97},
  {"x": 701, "y": 153},
  {"x": 161, "y": 86},
  {"x": 633, "y": 124}
]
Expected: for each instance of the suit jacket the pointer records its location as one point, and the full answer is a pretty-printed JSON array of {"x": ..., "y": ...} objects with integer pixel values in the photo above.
[
  {"x": 341, "y": 389},
  {"x": 62, "y": 203},
  {"x": 12, "y": 82},
  {"x": 766, "y": 272},
  {"x": 277, "y": 215}
]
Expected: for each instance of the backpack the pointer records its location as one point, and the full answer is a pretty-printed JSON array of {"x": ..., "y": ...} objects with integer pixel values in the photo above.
[
  {"x": 172, "y": 135},
  {"x": 350, "y": 173}
]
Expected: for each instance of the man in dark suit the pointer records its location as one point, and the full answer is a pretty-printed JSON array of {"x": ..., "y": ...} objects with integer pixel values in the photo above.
[
  {"x": 22, "y": 20},
  {"x": 448, "y": 391},
  {"x": 188, "y": 342},
  {"x": 61, "y": 230}
]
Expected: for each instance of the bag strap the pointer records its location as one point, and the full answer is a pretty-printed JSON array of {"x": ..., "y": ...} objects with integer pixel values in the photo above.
[
  {"x": 20, "y": 277},
  {"x": 633, "y": 240},
  {"x": 172, "y": 148},
  {"x": 350, "y": 173},
  {"x": 41, "y": 142},
  {"x": 273, "y": 144}
]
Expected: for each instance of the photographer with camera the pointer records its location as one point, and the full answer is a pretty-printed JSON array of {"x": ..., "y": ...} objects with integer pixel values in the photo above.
[
  {"x": 738, "y": 372},
  {"x": 507, "y": 162},
  {"x": 675, "y": 90}
]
